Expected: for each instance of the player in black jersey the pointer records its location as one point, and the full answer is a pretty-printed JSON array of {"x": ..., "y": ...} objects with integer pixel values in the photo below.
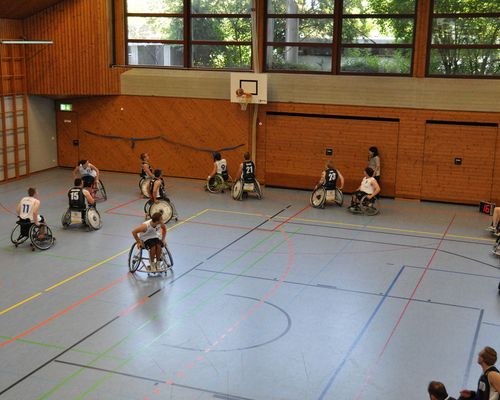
[
  {"x": 79, "y": 196},
  {"x": 146, "y": 168},
  {"x": 247, "y": 169},
  {"x": 331, "y": 178},
  {"x": 488, "y": 386}
]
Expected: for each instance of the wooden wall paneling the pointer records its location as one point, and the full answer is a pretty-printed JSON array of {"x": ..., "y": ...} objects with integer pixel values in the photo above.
[
  {"x": 11, "y": 28},
  {"x": 495, "y": 187},
  {"x": 469, "y": 182},
  {"x": 78, "y": 63},
  {"x": 201, "y": 124},
  {"x": 296, "y": 145},
  {"x": 421, "y": 38}
]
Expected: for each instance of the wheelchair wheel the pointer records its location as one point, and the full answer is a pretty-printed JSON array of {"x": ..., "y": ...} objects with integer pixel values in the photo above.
[
  {"x": 339, "y": 197},
  {"x": 167, "y": 260},
  {"x": 144, "y": 186},
  {"x": 134, "y": 258},
  {"x": 100, "y": 192},
  {"x": 318, "y": 198},
  {"x": 258, "y": 190},
  {"x": 66, "y": 219},
  {"x": 93, "y": 219},
  {"x": 367, "y": 206},
  {"x": 41, "y": 241},
  {"x": 147, "y": 206},
  {"x": 164, "y": 208},
  {"x": 237, "y": 190},
  {"x": 215, "y": 184},
  {"x": 16, "y": 237}
]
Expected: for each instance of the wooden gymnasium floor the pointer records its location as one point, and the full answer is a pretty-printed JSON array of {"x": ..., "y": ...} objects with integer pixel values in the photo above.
[{"x": 268, "y": 300}]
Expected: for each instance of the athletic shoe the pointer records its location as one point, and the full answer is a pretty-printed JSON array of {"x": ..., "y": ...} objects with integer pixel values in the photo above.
[{"x": 491, "y": 228}]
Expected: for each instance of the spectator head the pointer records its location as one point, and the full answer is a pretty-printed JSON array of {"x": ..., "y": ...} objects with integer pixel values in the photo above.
[
  {"x": 437, "y": 391},
  {"x": 217, "y": 156},
  {"x": 246, "y": 156},
  {"x": 78, "y": 182},
  {"x": 31, "y": 191},
  {"x": 369, "y": 172},
  {"x": 373, "y": 150},
  {"x": 157, "y": 173}
]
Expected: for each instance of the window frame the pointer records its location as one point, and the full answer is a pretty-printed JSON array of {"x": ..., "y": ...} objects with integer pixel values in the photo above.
[
  {"x": 187, "y": 41},
  {"x": 337, "y": 46},
  {"x": 430, "y": 46}
]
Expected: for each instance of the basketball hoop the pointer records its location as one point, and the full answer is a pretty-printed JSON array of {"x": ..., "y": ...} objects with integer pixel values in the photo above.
[{"x": 243, "y": 98}]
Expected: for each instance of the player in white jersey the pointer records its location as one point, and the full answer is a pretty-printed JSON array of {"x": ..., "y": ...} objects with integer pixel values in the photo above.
[
  {"x": 147, "y": 235},
  {"x": 220, "y": 167},
  {"x": 369, "y": 187},
  {"x": 88, "y": 172},
  {"x": 29, "y": 206}
]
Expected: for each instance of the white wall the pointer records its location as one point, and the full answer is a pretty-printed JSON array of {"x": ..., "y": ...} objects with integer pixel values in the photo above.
[{"x": 42, "y": 133}]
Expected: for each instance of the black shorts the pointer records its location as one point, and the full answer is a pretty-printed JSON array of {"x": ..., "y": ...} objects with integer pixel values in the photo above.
[
  {"x": 360, "y": 194},
  {"x": 88, "y": 180},
  {"x": 152, "y": 242}
]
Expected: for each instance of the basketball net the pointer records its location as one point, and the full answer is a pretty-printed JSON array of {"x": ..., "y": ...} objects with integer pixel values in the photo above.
[{"x": 244, "y": 99}]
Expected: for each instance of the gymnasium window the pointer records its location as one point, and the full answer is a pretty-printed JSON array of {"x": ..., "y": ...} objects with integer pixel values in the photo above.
[
  {"x": 209, "y": 34},
  {"x": 349, "y": 36},
  {"x": 465, "y": 38}
]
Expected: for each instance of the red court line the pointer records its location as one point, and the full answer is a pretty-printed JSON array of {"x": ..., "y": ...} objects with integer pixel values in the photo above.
[
  {"x": 292, "y": 217},
  {"x": 126, "y": 215},
  {"x": 403, "y": 312},
  {"x": 65, "y": 311},
  {"x": 123, "y": 204}
]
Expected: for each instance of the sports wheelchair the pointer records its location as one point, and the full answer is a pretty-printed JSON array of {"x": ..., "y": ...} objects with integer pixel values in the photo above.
[
  {"x": 217, "y": 183},
  {"x": 144, "y": 184},
  {"x": 138, "y": 260},
  {"x": 365, "y": 206},
  {"x": 25, "y": 229},
  {"x": 320, "y": 196},
  {"x": 241, "y": 188},
  {"x": 164, "y": 207},
  {"x": 89, "y": 216},
  {"x": 98, "y": 191}
]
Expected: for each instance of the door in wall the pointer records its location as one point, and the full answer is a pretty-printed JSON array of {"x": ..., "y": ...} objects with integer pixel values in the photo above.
[
  {"x": 458, "y": 162},
  {"x": 68, "y": 144}
]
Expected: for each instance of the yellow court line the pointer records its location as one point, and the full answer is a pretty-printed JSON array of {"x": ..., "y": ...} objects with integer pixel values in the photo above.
[
  {"x": 20, "y": 303},
  {"x": 86, "y": 270},
  {"x": 365, "y": 226}
]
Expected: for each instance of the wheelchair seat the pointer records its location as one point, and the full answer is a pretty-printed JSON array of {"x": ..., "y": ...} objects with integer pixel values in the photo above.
[
  {"x": 25, "y": 229},
  {"x": 88, "y": 216},
  {"x": 323, "y": 194},
  {"x": 138, "y": 261},
  {"x": 243, "y": 187}
]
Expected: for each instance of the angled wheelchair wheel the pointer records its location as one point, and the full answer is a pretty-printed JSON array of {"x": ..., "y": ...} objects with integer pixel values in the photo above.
[
  {"x": 215, "y": 184},
  {"x": 237, "y": 190},
  {"x": 66, "y": 219},
  {"x": 100, "y": 192},
  {"x": 164, "y": 208},
  {"x": 147, "y": 206},
  {"x": 368, "y": 207},
  {"x": 167, "y": 261},
  {"x": 144, "y": 184},
  {"x": 93, "y": 219},
  {"x": 134, "y": 258},
  {"x": 258, "y": 190},
  {"x": 318, "y": 198},
  {"x": 42, "y": 241},
  {"x": 16, "y": 237},
  {"x": 339, "y": 197}
]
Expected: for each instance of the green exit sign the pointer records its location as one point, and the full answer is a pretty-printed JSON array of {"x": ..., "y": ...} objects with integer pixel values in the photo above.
[{"x": 66, "y": 107}]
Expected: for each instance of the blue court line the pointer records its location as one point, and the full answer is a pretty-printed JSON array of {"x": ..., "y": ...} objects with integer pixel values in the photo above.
[
  {"x": 473, "y": 348},
  {"x": 491, "y": 324},
  {"x": 454, "y": 272},
  {"x": 358, "y": 338}
]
